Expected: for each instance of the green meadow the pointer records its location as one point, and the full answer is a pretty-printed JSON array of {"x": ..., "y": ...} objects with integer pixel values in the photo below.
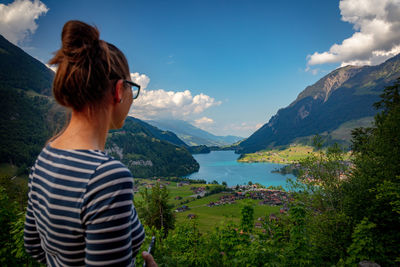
[
  {"x": 292, "y": 154},
  {"x": 289, "y": 155},
  {"x": 208, "y": 217}
]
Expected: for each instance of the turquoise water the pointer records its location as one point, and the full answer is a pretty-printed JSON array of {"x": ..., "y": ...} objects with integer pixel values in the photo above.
[{"x": 222, "y": 166}]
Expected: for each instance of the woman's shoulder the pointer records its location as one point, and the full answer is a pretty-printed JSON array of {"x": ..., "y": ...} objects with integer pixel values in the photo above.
[
  {"x": 95, "y": 160},
  {"x": 88, "y": 156},
  {"x": 111, "y": 178}
]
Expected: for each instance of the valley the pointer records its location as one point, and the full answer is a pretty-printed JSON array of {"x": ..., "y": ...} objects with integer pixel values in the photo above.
[{"x": 183, "y": 195}]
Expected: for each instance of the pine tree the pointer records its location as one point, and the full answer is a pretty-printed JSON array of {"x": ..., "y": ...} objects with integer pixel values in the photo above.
[{"x": 154, "y": 209}]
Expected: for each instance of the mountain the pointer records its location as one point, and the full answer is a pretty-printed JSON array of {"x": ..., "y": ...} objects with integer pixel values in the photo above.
[
  {"x": 192, "y": 135},
  {"x": 169, "y": 137},
  {"x": 20, "y": 70},
  {"x": 148, "y": 151},
  {"x": 156, "y": 132},
  {"x": 331, "y": 107},
  {"x": 30, "y": 116}
]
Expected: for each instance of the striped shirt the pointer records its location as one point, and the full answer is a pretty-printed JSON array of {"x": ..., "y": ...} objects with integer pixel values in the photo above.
[{"x": 80, "y": 210}]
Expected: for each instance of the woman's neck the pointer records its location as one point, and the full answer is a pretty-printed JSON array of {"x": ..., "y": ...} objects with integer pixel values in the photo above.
[{"x": 84, "y": 132}]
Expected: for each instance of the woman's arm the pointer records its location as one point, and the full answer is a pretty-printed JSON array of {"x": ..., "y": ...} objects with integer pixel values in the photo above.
[
  {"x": 31, "y": 235},
  {"x": 113, "y": 231}
]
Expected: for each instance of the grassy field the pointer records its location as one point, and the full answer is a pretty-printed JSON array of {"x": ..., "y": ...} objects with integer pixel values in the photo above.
[
  {"x": 344, "y": 131},
  {"x": 7, "y": 170},
  {"x": 292, "y": 154},
  {"x": 211, "y": 216},
  {"x": 208, "y": 217},
  {"x": 16, "y": 185},
  {"x": 286, "y": 156}
]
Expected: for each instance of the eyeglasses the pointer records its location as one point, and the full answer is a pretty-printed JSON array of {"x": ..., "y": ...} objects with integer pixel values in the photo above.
[{"x": 134, "y": 87}]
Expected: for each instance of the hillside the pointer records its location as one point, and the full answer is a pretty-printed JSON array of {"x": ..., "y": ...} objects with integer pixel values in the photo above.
[
  {"x": 30, "y": 116},
  {"x": 341, "y": 100},
  {"x": 20, "y": 70},
  {"x": 146, "y": 155},
  {"x": 192, "y": 135},
  {"x": 155, "y": 132}
]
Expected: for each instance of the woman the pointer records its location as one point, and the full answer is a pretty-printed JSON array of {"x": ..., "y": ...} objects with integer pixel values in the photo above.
[{"x": 80, "y": 209}]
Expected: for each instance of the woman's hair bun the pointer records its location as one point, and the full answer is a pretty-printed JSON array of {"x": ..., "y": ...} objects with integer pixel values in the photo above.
[
  {"x": 79, "y": 40},
  {"x": 87, "y": 66}
]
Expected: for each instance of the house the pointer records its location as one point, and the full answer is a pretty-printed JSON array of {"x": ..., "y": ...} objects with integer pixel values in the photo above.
[
  {"x": 258, "y": 225},
  {"x": 198, "y": 190},
  {"x": 183, "y": 208},
  {"x": 191, "y": 216},
  {"x": 211, "y": 204},
  {"x": 272, "y": 217}
]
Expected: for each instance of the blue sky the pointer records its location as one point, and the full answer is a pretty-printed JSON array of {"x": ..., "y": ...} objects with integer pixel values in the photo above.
[{"x": 225, "y": 66}]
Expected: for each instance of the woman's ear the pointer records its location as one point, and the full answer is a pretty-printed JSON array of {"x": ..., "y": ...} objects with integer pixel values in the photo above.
[{"x": 119, "y": 87}]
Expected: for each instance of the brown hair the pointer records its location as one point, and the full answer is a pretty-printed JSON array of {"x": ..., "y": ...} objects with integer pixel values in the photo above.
[{"x": 87, "y": 66}]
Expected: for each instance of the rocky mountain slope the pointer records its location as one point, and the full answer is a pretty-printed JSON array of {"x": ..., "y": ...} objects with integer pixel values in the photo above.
[{"x": 331, "y": 107}]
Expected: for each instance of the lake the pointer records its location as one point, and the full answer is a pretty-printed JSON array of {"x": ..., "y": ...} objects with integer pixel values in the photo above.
[{"x": 222, "y": 166}]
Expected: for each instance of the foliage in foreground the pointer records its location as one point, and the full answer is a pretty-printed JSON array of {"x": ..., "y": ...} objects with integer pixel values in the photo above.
[{"x": 154, "y": 210}]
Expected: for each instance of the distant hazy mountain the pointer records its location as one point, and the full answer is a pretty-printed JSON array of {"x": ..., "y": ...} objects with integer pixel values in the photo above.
[
  {"x": 29, "y": 117},
  {"x": 192, "y": 135},
  {"x": 334, "y": 105}
]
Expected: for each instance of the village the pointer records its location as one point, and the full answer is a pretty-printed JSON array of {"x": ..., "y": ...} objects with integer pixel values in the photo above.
[
  {"x": 205, "y": 200},
  {"x": 265, "y": 196}
]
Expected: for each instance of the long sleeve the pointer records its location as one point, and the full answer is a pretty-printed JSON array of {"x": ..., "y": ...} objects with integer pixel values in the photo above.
[
  {"x": 113, "y": 232},
  {"x": 31, "y": 235}
]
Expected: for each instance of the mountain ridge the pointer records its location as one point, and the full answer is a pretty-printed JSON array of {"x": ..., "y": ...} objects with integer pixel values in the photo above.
[
  {"x": 346, "y": 94},
  {"x": 32, "y": 75},
  {"x": 192, "y": 135}
]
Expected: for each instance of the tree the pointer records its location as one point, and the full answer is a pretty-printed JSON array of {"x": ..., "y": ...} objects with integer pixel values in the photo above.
[
  {"x": 8, "y": 214},
  {"x": 317, "y": 226},
  {"x": 372, "y": 192},
  {"x": 247, "y": 219},
  {"x": 363, "y": 245},
  {"x": 154, "y": 209}
]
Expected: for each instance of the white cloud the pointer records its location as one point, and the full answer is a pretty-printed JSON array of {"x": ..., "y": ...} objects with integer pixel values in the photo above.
[
  {"x": 18, "y": 19},
  {"x": 141, "y": 79},
  {"x": 167, "y": 104},
  {"x": 376, "y": 38},
  {"x": 203, "y": 122}
]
